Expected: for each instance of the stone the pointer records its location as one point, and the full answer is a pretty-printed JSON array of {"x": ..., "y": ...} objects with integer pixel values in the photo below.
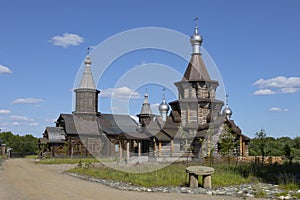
[
  {"x": 206, "y": 173},
  {"x": 250, "y": 195}
]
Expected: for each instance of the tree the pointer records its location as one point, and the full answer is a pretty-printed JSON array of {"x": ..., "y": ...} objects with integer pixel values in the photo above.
[
  {"x": 297, "y": 142},
  {"x": 24, "y": 144},
  {"x": 261, "y": 136},
  {"x": 287, "y": 153},
  {"x": 227, "y": 143}
]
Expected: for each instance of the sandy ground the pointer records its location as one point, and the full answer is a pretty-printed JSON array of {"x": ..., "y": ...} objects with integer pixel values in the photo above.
[{"x": 21, "y": 179}]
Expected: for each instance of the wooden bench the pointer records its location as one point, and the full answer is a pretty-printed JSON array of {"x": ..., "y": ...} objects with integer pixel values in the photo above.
[{"x": 195, "y": 171}]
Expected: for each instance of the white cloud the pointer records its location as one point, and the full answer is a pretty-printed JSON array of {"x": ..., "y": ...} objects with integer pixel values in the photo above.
[
  {"x": 277, "y": 109},
  {"x": 4, "y": 70},
  {"x": 288, "y": 90},
  {"x": 21, "y": 118},
  {"x": 22, "y": 121},
  {"x": 3, "y": 111},
  {"x": 66, "y": 40},
  {"x": 51, "y": 120},
  {"x": 24, "y": 124},
  {"x": 281, "y": 83},
  {"x": 278, "y": 82},
  {"x": 120, "y": 93},
  {"x": 264, "y": 92},
  {"x": 5, "y": 124},
  {"x": 27, "y": 100}
]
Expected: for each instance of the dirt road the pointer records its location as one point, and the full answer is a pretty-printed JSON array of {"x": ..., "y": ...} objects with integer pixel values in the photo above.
[{"x": 21, "y": 179}]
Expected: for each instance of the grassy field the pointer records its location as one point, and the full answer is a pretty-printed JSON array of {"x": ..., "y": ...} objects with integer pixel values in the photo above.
[
  {"x": 285, "y": 175},
  {"x": 225, "y": 175},
  {"x": 72, "y": 160},
  {"x": 172, "y": 175}
]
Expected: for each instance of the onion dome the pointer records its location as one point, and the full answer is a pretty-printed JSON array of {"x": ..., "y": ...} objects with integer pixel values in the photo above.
[
  {"x": 196, "y": 38},
  {"x": 87, "y": 61},
  {"x": 163, "y": 107},
  {"x": 227, "y": 111},
  {"x": 196, "y": 41}
]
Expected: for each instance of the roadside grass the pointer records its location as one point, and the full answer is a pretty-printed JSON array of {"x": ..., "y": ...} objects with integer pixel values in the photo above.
[
  {"x": 284, "y": 175},
  {"x": 175, "y": 175},
  {"x": 58, "y": 161},
  {"x": 225, "y": 175},
  {"x": 172, "y": 175},
  {"x": 31, "y": 156},
  {"x": 1, "y": 160}
]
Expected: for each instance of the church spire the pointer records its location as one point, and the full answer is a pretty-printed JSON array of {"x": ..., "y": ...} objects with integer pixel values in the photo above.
[
  {"x": 145, "y": 116},
  {"x": 196, "y": 70},
  {"x": 87, "y": 81},
  {"x": 86, "y": 93},
  {"x": 146, "y": 108}
]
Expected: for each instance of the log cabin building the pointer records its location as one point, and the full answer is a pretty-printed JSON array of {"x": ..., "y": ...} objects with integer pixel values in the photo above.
[{"x": 192, "y": 123}]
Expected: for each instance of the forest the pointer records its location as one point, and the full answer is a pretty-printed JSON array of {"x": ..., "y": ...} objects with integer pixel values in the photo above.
[
  {"x": 25, "y": 144},
  {"x": 262, "y": 145},
  {"x": 259, "y": 146}
]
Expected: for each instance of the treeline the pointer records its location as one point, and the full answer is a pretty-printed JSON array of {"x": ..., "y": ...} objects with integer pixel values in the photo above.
[
  {"x": 24, "y": 144},
  {"x": 262, "y": 145}
]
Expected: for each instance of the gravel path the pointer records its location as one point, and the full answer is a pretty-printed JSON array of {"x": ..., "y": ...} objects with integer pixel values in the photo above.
[{"x": 21, "y": 179}]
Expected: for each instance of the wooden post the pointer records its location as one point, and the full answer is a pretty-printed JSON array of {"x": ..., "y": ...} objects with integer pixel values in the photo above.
[
  {"x": 172, "y": 148},
  {"x": 87, "y": 147},
  {"x": 127, "y": 151},
  {"x": 70, "y": 147},
  {"x": 245, "y": 149},
  {"x": 241, "y": 146},
  {"x": 154, "y": 148},
  {"x": 120, "y": 150},
  {"x": 53, "y": 147},
  {"x": 159, "y": 149},
  {"x": 139, "y": 149}
]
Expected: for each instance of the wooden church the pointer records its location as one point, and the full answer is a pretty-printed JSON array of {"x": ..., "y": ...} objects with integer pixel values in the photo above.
[{"x": 192, "y": 123}]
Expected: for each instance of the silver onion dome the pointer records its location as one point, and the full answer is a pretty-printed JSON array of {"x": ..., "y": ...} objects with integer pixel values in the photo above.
[
  {"x": 227, "y": 111},
  {"x": 196, "y": 38},
  {"x": 196, "y": 41},
  {"x": 163, "y": 106},
  {"x": 88, "y": 61}
]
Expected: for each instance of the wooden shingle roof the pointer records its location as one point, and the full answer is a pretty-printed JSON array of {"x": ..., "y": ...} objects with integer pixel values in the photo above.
[
  {"x": 54, "y": 134},
  {"x": 196, "y": 70}
]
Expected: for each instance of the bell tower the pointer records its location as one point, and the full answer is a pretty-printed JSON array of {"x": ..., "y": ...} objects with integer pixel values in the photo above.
[
  {"x": 197, "y": 103},
  {"x": 86, "y": 93},
  {"x": 145, "y": 116}
]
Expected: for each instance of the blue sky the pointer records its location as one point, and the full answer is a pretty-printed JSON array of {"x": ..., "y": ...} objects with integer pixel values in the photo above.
[{"x": 255, "y": 45}]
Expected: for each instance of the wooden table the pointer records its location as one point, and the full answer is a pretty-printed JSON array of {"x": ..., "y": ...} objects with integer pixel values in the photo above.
[{"x": 206, "y": 173}]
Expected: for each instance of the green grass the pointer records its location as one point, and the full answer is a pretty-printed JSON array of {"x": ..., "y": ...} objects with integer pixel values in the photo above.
[
  {"x": 31, "y": 157},
  {"x": 72, "y": 160},
  {"x": 260, "y": 194},
  {"x": 289, "y": 186},
  {"x": 172, "y": 175},
  {"x": 175, "y": 174}
]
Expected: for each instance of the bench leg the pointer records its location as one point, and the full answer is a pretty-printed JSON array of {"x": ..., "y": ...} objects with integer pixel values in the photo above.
[
  {"x": 193, "y": 179},
  {"x": 206, "y": 181}
]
